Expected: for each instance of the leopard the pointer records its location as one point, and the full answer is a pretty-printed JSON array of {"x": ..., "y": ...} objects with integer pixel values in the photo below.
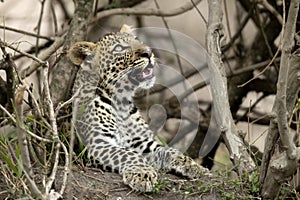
[{"x": 108, "y": 122}]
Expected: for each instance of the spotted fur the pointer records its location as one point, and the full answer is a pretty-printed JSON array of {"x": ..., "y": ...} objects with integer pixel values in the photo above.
[{"x": 108, "y": 123}]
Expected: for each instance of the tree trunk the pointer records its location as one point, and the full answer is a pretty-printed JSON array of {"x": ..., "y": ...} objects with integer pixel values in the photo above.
[
  {"x": 281, "y": 155},
  {"x": 218, "y": 83}
]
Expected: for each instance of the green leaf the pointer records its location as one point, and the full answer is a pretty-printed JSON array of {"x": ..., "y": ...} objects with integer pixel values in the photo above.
[
  {"x": 163, "y": 141},
  {"x": 9, "y": 162}
]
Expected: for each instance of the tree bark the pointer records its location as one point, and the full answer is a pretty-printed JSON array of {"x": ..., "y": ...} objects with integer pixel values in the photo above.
[
  {"x": 281, "y": 155},
  {"x": 65, "y": 71},
  {"x": 218, "y": 82}
]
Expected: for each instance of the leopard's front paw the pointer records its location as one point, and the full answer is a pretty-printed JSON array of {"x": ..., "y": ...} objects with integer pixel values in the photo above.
[
  {"x": 140, "y": 178},
  {"x": 186, "y": 166}
]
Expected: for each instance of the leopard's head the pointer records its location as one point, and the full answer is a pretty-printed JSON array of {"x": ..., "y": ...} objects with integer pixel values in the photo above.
[{"x": 116, "y": 56}]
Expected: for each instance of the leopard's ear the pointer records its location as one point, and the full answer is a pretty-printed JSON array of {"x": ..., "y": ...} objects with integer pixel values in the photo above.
[
  {"x": 126, "y": 29},
  {"x": 78, "y": 51}
]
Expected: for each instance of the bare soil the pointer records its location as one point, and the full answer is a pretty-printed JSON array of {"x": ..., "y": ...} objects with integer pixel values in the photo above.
[{"x": 94, "y": 184}]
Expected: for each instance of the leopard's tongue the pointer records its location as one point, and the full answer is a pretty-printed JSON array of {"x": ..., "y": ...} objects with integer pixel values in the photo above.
[{"x": 147, "y": 72}]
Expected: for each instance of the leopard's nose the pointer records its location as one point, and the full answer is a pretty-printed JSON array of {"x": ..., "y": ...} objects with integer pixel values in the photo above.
[{"x": 147, "y": 53}]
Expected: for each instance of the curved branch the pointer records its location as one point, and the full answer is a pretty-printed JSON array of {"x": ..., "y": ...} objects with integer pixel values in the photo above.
[{"x": 149, "y": 11}]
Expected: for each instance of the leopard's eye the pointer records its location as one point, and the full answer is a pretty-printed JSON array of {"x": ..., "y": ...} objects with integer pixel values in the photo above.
[{"x": 119, "y": 48}]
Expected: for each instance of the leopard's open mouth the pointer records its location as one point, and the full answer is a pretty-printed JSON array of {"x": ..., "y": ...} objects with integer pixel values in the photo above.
[{"x": 143, "y": 74}]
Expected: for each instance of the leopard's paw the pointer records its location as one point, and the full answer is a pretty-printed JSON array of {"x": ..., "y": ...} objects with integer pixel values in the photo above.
[
  {"x": 140, "y": 178},
  {"x": 186, "y": 166}
]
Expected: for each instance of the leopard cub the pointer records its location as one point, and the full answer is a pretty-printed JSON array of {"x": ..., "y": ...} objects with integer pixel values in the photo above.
[{"x": 108, "y": 123}]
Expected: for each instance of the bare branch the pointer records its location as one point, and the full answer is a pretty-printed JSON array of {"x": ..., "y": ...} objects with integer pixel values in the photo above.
[
  {"x": 8, "y": 114},
  {"x": 218, "y": 83},
  {"x": 23, "y": 128},
  {"x": 72, "y": 99},
  {"x": 263, "y": 71},
  {"x": 272, "y": 10},
  {"x": 25, "y": 32},
  {"x": 71, "y": 144},
  {"x": 148, "y": 11},
  {"x": 280, "y": 101},
  {"x": 58, "y": 42},
  {"x": 238, "y": 33},
  {"x": 22, "y": 141},
  {"x": 67, "y": 167},
  {"x": 279, "y": 168},
  {"x": 39, "y": 25},
  {"x": 199, "y": 12},
  {"x": 49, "y": 105},
  {"x": 65, "y": 71},
  {"x": 23, "y": 53},
  {"x": 173, "y": 44}
]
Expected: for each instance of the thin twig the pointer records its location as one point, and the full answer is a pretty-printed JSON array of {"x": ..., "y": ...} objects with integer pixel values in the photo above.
[
  {"x": 39, "y": 25},
  {"x": 8, "y": 114},
  {"x": 251, "y": 107},
  {"x": 199, "y": 12},
  {"x": 227, "y": 19},
  {"x": 72, "y": 99},
  {"x": 38, "y": 137},
  {"x": 265, "y": 38},
  {"x": 238, "y": 32},
  {"x": 67, "y": 168},
  {"x": 25, "y": 33},
  {"x": 148, "y": 11},
  {"x": 23, "y": 143},
  {"x": 272, "y": 10},
  {"x": 58, "y": 42},
  {"x": 23, "y": 53},
  {"x": 54, "y": 17},
  {"x": 37, "y": 107},
  {"x": 252, "y": 67},
  {"x": 173, "y": 44},
  {"x": 52, "y": 119},
  {"x": 263, "y": 71},
  {"x": 72, "y": 138},
  {"x": 23, "y": 128},
  {"x": 38, "y": 28}
]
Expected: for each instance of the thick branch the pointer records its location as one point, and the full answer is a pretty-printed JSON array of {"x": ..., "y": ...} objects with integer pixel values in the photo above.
[
  {"x": 280, "y": 101},
  {"x": 218, "y": 83},
  {"x": 65, "y": 71},
  {"x": 281, "y": 167},
  {"x": 293, "y": 82}
]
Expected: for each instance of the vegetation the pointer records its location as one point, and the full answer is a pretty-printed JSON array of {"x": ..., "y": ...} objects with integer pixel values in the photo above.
[{"x": 251, "y": 59}]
